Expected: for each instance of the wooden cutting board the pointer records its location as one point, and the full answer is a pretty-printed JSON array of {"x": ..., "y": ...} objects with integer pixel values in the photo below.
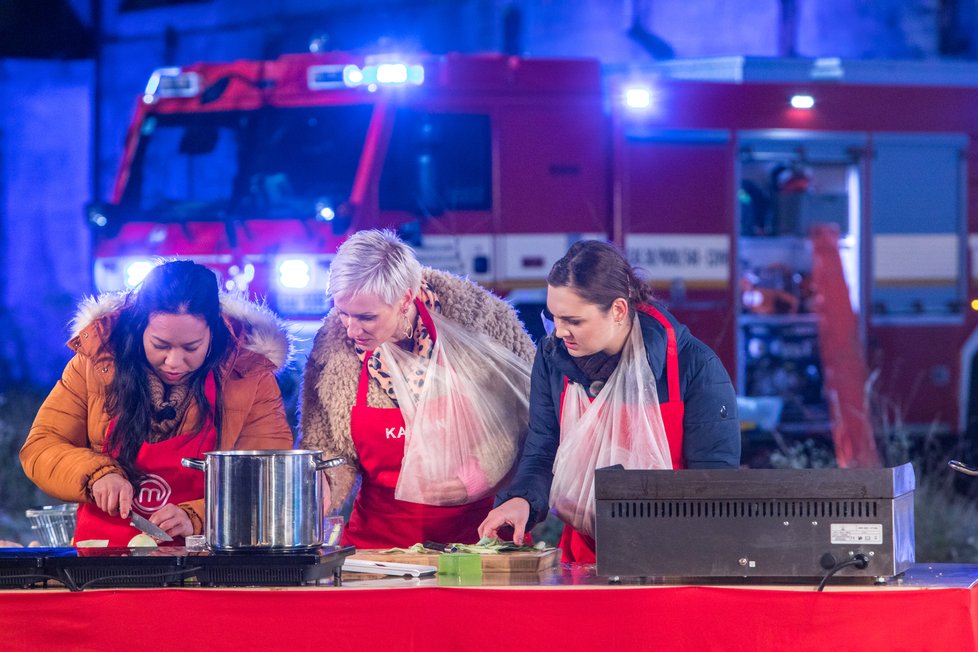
[{"x": 504, "y": 562}]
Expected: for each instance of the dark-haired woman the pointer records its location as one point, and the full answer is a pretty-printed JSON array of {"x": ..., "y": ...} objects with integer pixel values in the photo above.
[
  {"x": 618, "y": 381},
  {"x": 172, "y": 369}
]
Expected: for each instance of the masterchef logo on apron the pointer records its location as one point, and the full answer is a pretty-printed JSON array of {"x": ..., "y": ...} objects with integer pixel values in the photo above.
[{"x": 152, "y": 493}]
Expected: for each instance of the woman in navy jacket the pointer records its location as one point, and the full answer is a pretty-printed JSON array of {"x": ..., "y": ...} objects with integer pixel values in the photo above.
[{"x": 596, "y": 299}]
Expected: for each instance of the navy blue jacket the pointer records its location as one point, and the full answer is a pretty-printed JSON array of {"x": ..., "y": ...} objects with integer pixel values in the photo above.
[{"x": 711, "y": 431}]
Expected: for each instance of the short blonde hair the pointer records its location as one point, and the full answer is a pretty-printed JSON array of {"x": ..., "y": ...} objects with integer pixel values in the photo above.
[{"x": 374, "y": 262}]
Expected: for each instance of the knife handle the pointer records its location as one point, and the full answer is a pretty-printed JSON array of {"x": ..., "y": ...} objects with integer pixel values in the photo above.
[{"x": 440, "y": 547}]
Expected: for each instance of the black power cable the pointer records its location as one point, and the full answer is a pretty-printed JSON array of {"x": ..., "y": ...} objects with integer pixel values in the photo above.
[
  {"x": 73, "y": 585},
  {"x": 35, "y": 576},
  {"x": 858, "y": 560},
  {"x": 183, "y": 572}
]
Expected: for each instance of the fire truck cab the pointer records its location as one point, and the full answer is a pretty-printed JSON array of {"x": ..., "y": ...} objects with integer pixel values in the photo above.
[
  {"x": 709, "y": 174},
  {"x": 490, "y": 165}
]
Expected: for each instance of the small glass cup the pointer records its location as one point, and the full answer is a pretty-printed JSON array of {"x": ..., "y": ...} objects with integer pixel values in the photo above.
[
  {"x": 195, "y": 543},
  {"x": 332, "y": 530}
]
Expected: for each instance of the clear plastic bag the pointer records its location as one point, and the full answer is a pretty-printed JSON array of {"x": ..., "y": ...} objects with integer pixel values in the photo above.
[
  {"x": 465, "y": 428},
  {"x": 623, "y": 425}
]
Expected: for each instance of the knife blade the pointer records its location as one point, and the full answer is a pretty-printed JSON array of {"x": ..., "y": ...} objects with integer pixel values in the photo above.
[{"x": 147, "y": 527}]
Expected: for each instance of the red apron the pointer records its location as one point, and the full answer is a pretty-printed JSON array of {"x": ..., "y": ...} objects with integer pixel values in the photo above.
[
  {"x": 379, "y": 520},
  {"x": 578, "y": 547},
  {"x": 165, "y": 481}
]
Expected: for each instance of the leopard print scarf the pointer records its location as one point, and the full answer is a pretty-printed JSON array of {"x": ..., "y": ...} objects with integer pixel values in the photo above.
[{"x": 422, "y": 345}]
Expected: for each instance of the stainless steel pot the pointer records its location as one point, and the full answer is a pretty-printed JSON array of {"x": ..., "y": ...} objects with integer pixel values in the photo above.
[{"x": 263, "y": 500}]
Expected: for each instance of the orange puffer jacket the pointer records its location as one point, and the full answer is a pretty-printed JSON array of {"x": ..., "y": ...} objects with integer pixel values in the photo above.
[{"x": 64, "y": 446}]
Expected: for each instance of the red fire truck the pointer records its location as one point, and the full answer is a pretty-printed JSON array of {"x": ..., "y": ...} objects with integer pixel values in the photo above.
[{"x": 710, "y": 175}]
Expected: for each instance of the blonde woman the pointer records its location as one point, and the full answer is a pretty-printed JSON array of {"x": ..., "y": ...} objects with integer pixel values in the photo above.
[{"x": 421, "y": 378}]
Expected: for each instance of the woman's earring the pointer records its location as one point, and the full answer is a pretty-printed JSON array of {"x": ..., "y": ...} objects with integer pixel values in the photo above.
[{"x": 408, "y": 330}]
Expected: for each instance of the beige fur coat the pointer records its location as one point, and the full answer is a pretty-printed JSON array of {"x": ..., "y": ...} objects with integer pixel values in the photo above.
[{"x": 333, "y": 370}]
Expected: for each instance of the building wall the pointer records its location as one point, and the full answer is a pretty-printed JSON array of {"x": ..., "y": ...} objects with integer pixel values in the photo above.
[
  {"x": 46, "y": 109},
  {"x": 619, "y": 32},
  {"x": 44, "y": 176}
]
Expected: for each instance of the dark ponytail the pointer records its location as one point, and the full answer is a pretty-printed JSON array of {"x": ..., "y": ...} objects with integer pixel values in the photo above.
[
  {"x": 599, "y": 273},
  {"x": 178, "y": 287}
]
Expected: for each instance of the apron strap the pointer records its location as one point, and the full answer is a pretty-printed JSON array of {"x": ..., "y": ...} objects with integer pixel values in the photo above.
[
  {"x": 364, "y": 382},
  {"x": 672, "y": 351},
  {"x": 210, "y": 391},
  {"x": 563, "y": 393},
  {"x": 426, "y": 318}
]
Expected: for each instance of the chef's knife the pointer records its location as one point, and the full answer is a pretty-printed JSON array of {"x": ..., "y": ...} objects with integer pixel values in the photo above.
[
  {"x": 440, "y": 547},
  {"x": 147, "y": 527}
]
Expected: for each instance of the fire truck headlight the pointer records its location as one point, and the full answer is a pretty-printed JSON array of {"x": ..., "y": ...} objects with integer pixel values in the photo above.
[
  {"x": 638, "y": 98},
  {"x": 136, "y": 271},
  {"x": 294, "y": 273},
  {"x": 803, "y": 102}
]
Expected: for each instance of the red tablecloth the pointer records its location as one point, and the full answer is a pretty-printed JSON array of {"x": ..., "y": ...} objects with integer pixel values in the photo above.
[{"x": 438, "y": 618}]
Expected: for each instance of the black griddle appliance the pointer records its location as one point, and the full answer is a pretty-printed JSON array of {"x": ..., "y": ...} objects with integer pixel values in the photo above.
[
  {"x": 167, "y": 567},
  {"x": 782, "y": 524},
  {"x": 22, "y": 568},
  {"x": 271, "y": 568}
]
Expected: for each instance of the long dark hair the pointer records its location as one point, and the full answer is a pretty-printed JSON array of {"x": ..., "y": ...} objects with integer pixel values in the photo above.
[
  {"x": 178, "y": 287},
  {"x": 599, "y": 273}
]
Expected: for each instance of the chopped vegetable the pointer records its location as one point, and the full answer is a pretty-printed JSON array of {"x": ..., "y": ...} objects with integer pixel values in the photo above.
[
  {"x": 142, "y": 541},
  {"x": 92, "y": 543},
  {"x": 416, "y": 548},
  {"x": 485, "y": 546}
]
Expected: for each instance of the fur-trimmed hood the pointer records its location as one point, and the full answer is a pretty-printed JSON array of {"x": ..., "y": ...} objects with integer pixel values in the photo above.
[{"x": 255, "y": 326}]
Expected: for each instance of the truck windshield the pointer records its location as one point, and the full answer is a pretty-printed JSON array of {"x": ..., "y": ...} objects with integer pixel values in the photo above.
[{"x": 270, "y": 163}]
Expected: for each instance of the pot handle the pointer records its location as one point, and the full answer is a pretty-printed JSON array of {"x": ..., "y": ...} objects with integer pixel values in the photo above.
[
  {"x": 322, "y": 465},
  {"x": 962, "y": 467},
  {"x": 192, "y": 463}
]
